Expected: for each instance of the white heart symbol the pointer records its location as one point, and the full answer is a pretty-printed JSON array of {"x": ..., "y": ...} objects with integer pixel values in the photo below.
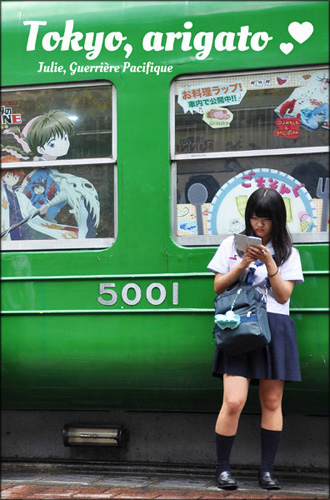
[
  {"x": 286, "y": 48},
  {"x": 301, "y": 32}
]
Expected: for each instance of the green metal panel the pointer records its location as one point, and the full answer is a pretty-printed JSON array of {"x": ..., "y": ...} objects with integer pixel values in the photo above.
[{"x": 61, "y": 348}]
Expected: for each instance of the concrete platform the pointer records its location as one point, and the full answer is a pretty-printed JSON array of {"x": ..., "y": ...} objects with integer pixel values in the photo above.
[{"x": 28, "y": 481}]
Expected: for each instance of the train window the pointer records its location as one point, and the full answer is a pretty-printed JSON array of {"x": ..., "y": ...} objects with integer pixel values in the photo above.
[
  {"x": 58, "y": 167},
  {"x": 231, "y": 134}
]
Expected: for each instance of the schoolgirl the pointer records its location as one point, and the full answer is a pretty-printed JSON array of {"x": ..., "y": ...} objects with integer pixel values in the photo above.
[{"x": 277, "y": 263}]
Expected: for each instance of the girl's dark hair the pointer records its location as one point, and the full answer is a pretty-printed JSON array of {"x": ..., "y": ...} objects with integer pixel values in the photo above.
[{"x": 268, "y": 203}]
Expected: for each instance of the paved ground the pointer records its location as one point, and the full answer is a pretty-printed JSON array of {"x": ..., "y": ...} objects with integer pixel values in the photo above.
[{"x": 53, "y": 482}]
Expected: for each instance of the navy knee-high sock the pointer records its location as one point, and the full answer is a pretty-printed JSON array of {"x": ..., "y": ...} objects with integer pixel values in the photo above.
[
  {"x": 270, "y": 441},
  {"x": 223, "y": 446}
]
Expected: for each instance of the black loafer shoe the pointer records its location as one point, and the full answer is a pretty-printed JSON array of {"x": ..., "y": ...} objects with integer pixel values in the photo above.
[
  {"x": 226, "y": 481},
  {"x": 267, "y": 481}
]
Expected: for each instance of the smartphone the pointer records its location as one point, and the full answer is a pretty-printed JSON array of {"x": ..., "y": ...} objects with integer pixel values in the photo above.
[
  {"x": 254, "y": 241},
  {"x": 242, "y": 241}
]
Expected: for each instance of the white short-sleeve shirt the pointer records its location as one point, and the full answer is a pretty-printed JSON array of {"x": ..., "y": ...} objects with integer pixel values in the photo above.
[{"x": 226, "y": 258}]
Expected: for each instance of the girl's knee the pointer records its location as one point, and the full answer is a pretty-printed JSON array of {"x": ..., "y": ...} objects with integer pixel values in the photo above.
[
  {"x": 234, "y": 405},
  {"x": 270, "y": 394},
  {"x": 271, "y": 402}
]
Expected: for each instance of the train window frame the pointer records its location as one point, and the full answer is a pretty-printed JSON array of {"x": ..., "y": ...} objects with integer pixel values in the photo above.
[
  {"x": 175, "y": 158},
  {"x": 105, "y": 161}
]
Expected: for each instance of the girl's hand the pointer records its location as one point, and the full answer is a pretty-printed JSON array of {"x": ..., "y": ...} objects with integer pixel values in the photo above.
[
  {"x": 248, "y": 258},
  {"x": 259, "y": 252}
]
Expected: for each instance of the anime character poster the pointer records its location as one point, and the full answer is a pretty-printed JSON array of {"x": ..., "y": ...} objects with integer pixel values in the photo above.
[{"x": 32, "y": 199}]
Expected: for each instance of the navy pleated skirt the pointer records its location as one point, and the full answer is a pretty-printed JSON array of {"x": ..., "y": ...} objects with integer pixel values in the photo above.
[{"x": 279, "y": 360}]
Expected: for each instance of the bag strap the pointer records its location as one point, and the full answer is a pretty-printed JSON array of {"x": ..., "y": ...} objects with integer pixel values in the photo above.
[
  {"x": 248, "y": 280},
  {"x": 250, "y": 277},
  {"x": 235, "y": 298},
  {"x": 251, "y": 271}
]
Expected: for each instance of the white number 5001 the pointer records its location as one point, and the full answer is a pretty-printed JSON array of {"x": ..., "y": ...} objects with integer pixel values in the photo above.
[{"x": 108, "y": 289}]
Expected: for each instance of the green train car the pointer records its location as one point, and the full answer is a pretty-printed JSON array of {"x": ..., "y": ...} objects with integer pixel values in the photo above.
[{"x": 132, "y": 136}]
